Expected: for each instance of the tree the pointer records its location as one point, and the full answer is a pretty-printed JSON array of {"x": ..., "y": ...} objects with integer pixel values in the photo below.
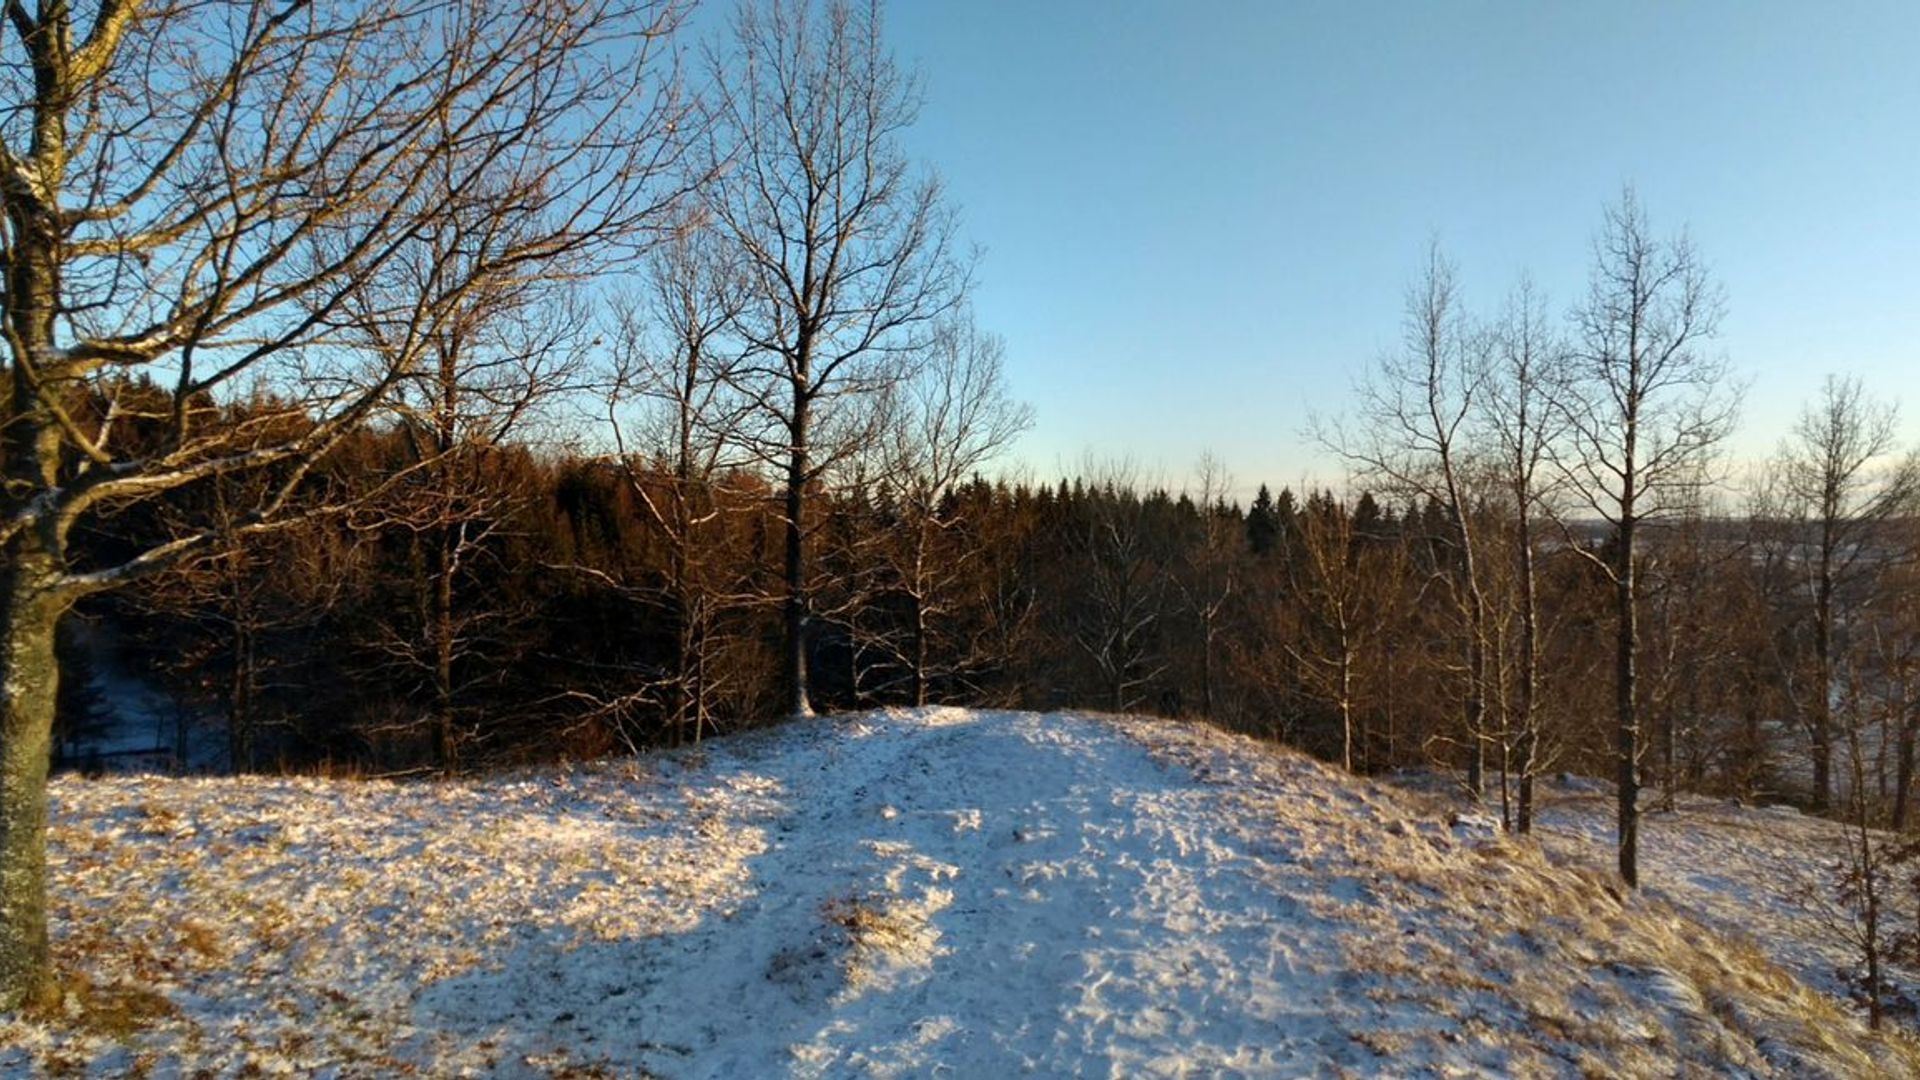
[
  {"x": 1011, "y": 651},
  {"x": 688, "y": 439},
  {"x": 1417, "y": 408},
  {"x": 845, "y": 252},
  {"x": 1114, "y": 588},
  {"x": 485, "y": 338},
  {"x": 1839, "y": 484},
  {"x": 1896, "y": 653},
  {"x": 1854, "y": 898},
  {"x": 1263, "y": 524},
  {"x": 196, "y": 192},
  {"x": 1518, "y": 418},
  {"x": 1207, "y": 575},
  {"x": 1690, "y": 646},
  {"x": 946, "y": 423},
  {"x": 247, "y": 604},
  {"x": 1341, "y": 585},
  {"x": 1644, "y": 413}
]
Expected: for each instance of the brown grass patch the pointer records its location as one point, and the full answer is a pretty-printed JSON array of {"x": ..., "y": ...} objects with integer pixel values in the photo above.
[{"x": 116, "y": 1010}]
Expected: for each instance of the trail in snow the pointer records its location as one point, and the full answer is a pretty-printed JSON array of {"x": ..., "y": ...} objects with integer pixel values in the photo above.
[{"x": 1050, "y": 900}]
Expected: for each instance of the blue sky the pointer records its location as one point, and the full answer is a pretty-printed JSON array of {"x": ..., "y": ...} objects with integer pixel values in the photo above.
[{"x": 1198, "y": 219}]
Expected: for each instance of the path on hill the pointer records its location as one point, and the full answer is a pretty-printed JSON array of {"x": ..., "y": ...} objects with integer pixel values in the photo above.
[{"x": 997, "y": 893}]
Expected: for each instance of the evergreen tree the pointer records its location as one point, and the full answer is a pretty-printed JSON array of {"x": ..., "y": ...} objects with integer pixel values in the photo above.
[{"x": 1263, "y": 524}]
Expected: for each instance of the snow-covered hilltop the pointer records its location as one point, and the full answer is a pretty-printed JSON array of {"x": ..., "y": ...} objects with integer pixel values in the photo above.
[{"x": 938, "y": 892}]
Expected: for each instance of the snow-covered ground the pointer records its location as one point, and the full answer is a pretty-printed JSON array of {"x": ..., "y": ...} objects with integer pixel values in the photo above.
[{"x": 925, "y": 893}]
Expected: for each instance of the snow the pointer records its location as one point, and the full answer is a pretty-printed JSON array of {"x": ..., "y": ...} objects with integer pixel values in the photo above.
[{"x": 903, "y": 893}]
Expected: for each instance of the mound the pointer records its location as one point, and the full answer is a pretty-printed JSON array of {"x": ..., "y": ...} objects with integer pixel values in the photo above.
[{"x": 936, "y": 892}]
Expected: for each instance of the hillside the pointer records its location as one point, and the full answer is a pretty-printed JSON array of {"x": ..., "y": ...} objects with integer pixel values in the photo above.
[
  {"x": 939, "y": 892},
  {"x": 1762, "y": 874}
]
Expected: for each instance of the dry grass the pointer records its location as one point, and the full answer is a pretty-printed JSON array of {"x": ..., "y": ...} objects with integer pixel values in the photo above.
[
  {"x": 1553, "y": 928},
  {"x": 879, "y": 932},
  {"x": 114, "y": 1010},
  {"x": 1583, "y": 976}
]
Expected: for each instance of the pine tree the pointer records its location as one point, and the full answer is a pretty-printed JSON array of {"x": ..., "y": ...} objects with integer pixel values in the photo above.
[{"x": 1263, "y": 524}]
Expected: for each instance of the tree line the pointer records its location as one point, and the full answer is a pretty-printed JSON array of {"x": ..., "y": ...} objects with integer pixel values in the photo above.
[{"x": 602, "y": 601}]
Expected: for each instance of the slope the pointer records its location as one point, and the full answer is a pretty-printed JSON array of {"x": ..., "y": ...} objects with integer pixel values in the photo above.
[{"x": 936, "y": 892}]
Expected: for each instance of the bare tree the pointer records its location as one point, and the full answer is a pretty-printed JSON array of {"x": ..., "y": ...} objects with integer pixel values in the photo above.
[
  {"x": 244, "y": 599},
  {"x": 1417, "y": 408},
  {"x": 1690, "y": 643},
  {"x": 1839, "y": 483},
  {"x": 1207, "y": 578},
  {"x": 485, "y": 338},
  {"x": 947, "y": 422},
  {"x": 1647, "y": 408},
  {"x": 845, "y": 252},
  {"x": 1341, "y": 584},
  {"x": 195, "y": 192},
  {"x": 1853, "y": 899},
  {"x": 676, "y": 450},
  {"x": 1117, "y": 603},
  {"x": 1010, "y": 644},
  {"x": 1896, "y": 655},
  {"x": 1520, "y": 422}
]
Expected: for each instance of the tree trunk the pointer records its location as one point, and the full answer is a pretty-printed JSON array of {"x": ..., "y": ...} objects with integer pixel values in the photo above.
[
  {"x": 1393, "y": 675},
  {"x": 1346, "y": 709},
  {"x": 919, "y": 652},
  {"x": 1627, "y": 715},
  {"x": 699, "y": 676},
  {"x": 1206, "y": 665},
  {"x": 446, "y": 751},
  {"x": 690, "y": 610},
  {"x": 240, "y": 701},
  {"x": 29, "y": 688},
  {"x": 1821, "y": 719},
  {"x": 33, "y": 565},
  {"x": 796, "y": 576},
  {"x": 1506, "y": 785},
  {"x": 1669, "y": 758},
  {"x": 921, "y": 543},
  {"x": 1903, "y": 762},
  {"x": 1870, "y": 903},
  {"x": 1529, "y": 680},
  {"x": 1476, "y": 683}
]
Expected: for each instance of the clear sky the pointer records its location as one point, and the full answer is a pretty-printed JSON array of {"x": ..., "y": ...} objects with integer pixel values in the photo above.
[{"x": 1198, "y": 219}]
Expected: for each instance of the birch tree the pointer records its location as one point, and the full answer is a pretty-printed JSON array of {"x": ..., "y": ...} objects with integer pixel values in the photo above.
[
  {"x": 1520, "y": 423},
  {"x": 1208, "y": 575},
  {"x": 1647, "y": 406},
  {"x": 1341, "y": 585},
  {"x": 676, "y": 452},
  {"x": 947, "y": 422}
]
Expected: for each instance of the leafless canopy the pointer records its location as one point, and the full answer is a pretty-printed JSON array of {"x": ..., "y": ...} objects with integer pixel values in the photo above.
[
  {"x": 1649, "y": 402},
  {"x": 206, "y": 194}
]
